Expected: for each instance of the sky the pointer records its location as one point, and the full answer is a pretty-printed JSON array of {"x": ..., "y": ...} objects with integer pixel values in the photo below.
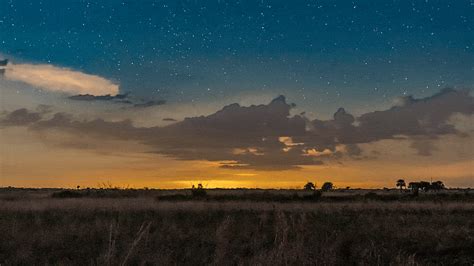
[{"x": 267, "y": 94}]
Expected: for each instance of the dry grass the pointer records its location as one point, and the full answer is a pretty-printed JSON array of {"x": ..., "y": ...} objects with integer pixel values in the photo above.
[{"x": 142, "y": 230}]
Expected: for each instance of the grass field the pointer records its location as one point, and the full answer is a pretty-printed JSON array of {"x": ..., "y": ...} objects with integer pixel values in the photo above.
[{"x": 235, "y": 227}]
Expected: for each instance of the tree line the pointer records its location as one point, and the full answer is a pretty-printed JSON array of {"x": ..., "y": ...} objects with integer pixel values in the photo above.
[
  {"x": 414, "y": 186},
  {"x": 421, "y": 185}
]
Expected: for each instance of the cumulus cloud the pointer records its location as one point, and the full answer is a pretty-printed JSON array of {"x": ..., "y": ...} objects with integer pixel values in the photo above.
[
  {"x": 60, "y": 79},
  {"x": 267, "y": 137},
  {"x": 426, "y": 116},
  {"x": 21, "y": 117},
  {"x": 414, "y": 118},
  {"x": 24, "y": 117}
]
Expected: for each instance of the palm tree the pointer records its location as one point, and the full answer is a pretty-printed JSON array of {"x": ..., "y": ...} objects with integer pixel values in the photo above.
[{"x": 401, "y": 184}]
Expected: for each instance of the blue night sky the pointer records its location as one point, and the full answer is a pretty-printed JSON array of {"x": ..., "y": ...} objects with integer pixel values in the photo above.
[
  {"x": 167, "y": 93},
  {"x": 336, "y": 53}
]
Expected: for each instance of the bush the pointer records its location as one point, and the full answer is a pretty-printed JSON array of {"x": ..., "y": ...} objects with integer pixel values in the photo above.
[
  {"x": 66, "y": 194},
  {"x": 199, "y": 192},
  {"x": 310, "y": 186},
  {"x": 327, "y": 186}
]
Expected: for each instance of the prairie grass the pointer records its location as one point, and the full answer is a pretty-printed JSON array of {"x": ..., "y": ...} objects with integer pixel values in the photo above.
[{"x": 146, "y": 231}]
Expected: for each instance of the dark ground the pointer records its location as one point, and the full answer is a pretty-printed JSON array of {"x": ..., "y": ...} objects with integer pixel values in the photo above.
[{"x": 235, "y": 227}]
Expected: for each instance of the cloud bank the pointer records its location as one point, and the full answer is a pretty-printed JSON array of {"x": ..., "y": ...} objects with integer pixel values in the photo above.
[
  {"x": 60, "y": 79},
  {"x": 266, "y": 137}
]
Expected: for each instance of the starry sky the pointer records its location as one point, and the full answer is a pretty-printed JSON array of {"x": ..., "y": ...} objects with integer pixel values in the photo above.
[{"x": 142, "y": 67}]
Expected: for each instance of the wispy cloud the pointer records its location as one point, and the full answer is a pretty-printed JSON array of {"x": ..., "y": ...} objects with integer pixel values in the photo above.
[
  {"x": 119, "y": 98},
  {"x": 60, "y": 79}
]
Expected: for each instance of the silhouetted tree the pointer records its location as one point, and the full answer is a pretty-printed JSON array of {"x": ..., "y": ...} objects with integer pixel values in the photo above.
[
  {"x": 401, "y": 184},
  {"x": 437, "y": 185},
  {"x": 415, "y": 187},
  {"x": 327, "y": 186},
  {"x": 424, "y": 185},
  {"x": 309, "y": 186}
]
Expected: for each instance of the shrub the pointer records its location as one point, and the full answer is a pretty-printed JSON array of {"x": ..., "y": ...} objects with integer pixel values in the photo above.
[
  {"x": 327, "y": 186},
  {"x": 66, "y": 194},
  {"x": 198, "y": 192},
  {"x": 310, "y": 186}
]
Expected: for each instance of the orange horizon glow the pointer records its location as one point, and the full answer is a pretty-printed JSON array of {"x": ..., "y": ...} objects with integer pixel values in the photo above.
[{"x": 33, "y": 161}]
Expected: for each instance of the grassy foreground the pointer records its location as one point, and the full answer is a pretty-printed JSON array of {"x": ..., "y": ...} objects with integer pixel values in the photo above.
[{"x": 143, "y": 230}]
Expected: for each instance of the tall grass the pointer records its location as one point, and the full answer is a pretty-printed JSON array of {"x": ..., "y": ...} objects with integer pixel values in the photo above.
[{"x": 137, "y": 231}]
